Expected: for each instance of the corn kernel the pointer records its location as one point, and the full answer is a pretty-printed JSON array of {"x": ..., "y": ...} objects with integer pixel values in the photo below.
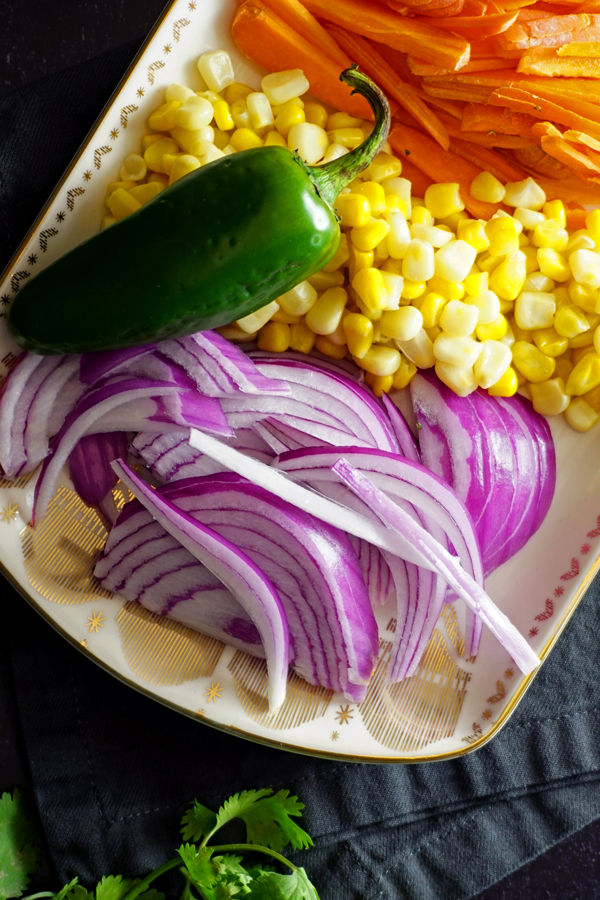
[
  {"x": 555, "y": 209},
  {"x": 237, "y": 335},
  {"x": 274, "y": 139},
  {"x": 534, "y": 365},
  {"x": 420, "y": 215},
  {"x": 316, "y": 114},
  {"x": 456, "y": 349},
  {"x": 197, "y": 112},
  {"x": 183, "y": 165},
  {"x": 163, "y": 118},
  {"x": 370, "y": 287},
  {"x": 413, "y": 289},
  {"x": 178, "y": 92},
  {"x": 431, "y": 308},
  {"x": 107, "y": 221},
  {"x": 404, "y": 373},
  {"x": 550, "y": 234},
  {"x": 384, "y": 166},
  {"x": 327, "y": 348},
  {"x": 236, "y": 91},
  {"x": 585, "y": 375},
  {"x": 503, "y": 237},
  {"x": 593, "y": 398},
  {"x": 309, "y": 141},
  {"x": 121, "y": 203},
  {"x": 284, "y": 318},
  {"x": 486, "y": 187},
  {"x": 380, "y": 384},
  {"x": 326, "y": 313},
  {"x": 347, "y": 137},
  {"x": 459, "y": 379},
  {"x": 487, "y": 305},
  {"x": 289, "y": 116},
  {"x": 358, "y": 330},
  {"x": 133, "y": 168},
  {"x": 402, "y": 324},
  {"x": 585, "y": 266},
  {"x": 535, "y": 309},
  {"x": 368, "y": 236},
  {"x": 564, "y": 366},
  {"x": 212, "y": 96},
  {"x": 223, "y": 117},
  {"x": 570, "y": 321},
  {"x": 580, "y": 415},
  {"x": 256, "y": 320},
  {"x": 443, "y": 199},
  {"x": 549, "y": 398},
  {"x": 299, "y": 300},
  {"x": 275, "y": 337},
  {"x": 216, "y": 69},
  {"x": 145, "y": 192},
  {"x": 507, "y": 279},
  {"x": 437, "y": 237},
  {"x": 206, "y": 152},
  {"x": 113, "y": 185},
  {"x": 451, "y": 290},
  {"x": 153, "y": 157},
  {"x": 584, "y": 297},
  {"x": 454, "y": 261},
  {"x": 506, "y": 386},
  {"x": 302, "y": 339},
  {"x": 148, "y": 139},
  {"x": 245, "y": 139},
  {"x": 459, "y": 318},
  {"x": 553, "y": 264},
  {"x": 321, "y": 281},
  {"x": 394, "y": 203},
  {"x": 340, "y": 257},
  {"x": 528, "y": 218},
  {"x": 375, "y": 195},
  {"x": 398, "y": 238},
  {"x": 521, "y": 334},
  {"x": 592, "y": 224},
  {"x": 393, "y": 287},
  {"x": 472, "y": 232},
  {"x": 550, "y": 342},
  {"x": 380, "y": 360},
  {"x": 419, "y": 350},
  {"x": 354, "y": 210},
  {"x": 586, "y": 339},
  {"x": 525, "y": 193},
  {"x": 492, "y": 363},
  {"x": 261, "y": 114},
  {"x": 418, "y": 262},
  {"x": 240, "y": 114}
]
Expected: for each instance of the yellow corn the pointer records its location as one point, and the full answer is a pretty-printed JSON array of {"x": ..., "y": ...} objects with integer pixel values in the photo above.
[
  {"x": 375, "y": 194},
  {"x": 299, "y": 300},
  {"x": 451, "y": 290},
  {"x": 553, "y": 264},
  {"x": 315, "y": 114},
  {"x": 473, "y": 232},
  {"x": 535, "y": 309},
  {"x": 153, "y": 156},
  {"x": 459, "y": 379},
  {"x": 236, "y": 91},
  {"x": 359, "y": 259},
  {"x": 418, "y": 263},
  {"x": 380, "y": 360},
  {"x": 443, "y": 200},
  {"x": 114, "y": 185},
  {"x": 549, "y": 398},
  {"x": 580, "y": 414},
  {"x": 569, "y": 321},
  {"x": 133, "y": 168},
  {"x": 284, "y": 318},
  {"x": 507, "y": 279},
  {"x": 106, "y": 222},
  {"x": 593, "y": 398},
  {"x": 564, "y": 366},
  {"x": 183, "y": 165},
  {"x": 531, "y": 259},
  {"x": 325, "y": 315},
  {"x": 289, "y": 116},
  {"x": 302, "y": 339},
  {"x": 279, "y": 108},
  {"x": 555, "y": 209},
  {"x": 370, "y": 287},
  {"x": 503, "y": 237},
  {"x": 340, "y": 257},
  {"x": 585, "y": 375},
  {"x": 121, "y": 203},
  {"x": 244, "y": 139},
  {"x": 458, "y": 318},
  {"x": 506, "y": 386},
  {"x": 561, "y": 296},
  {"x": 486, "y": 187},
  {"x": 404, "y": 373},
  {"x": 495, "y": 331},
  {"x": 354, "y": 210},
  {"x": 163, "y": 118},
  {"x": 368, "y": 236},
  {"x": 487, "y": 306},
  {"x": 586, "y": 339},
  {"x": 592, "y": 223},
  {"x": 274, "y": 336},
  {"x": 358, "y": 330},
  {"x": 412, "y": 289},
  {"x": 419, "y": 350},
  {"x": 534, "y": 365},
  {"x": 274, "y": 139},
  {"x": 585, "y": 267},
  {"x": 452, "y": 221},
  {"x": 550, "y": 234},
  {"x": 381, "y": 252},
  {"x": 325, "y": 346},
  {"x": 223, "y": 118},
  {"x": 237, "y": 335},
  {"x": 491, "y": 364},
  {"x": 585, "y": 297},
  {"x": 550, "y": 342},
  {"x": 380, "y": 384},
  {"x": 431, "y": 307},
  {"x": 347, "y": 137},
  {"x": 578, "y": 354},
  {"x": 196, "y": 112},
  {"x": 145, "y": 192},
  {"x": 421, "y": 216},
  {"x": 394, "y": 203},
  {"x": 240, "y": 114},
  {"x": 321, "y": 281},
  {"x": 150, "y": 139},
  {"x": 401, "y": 324},
  {"x": 521, "y": 334},
  {"x": 256, "y": 320},
  {"x": 338, "y": 336},
  {"x": 384, "y": 166},
  {"x": 456, "y": 350}
]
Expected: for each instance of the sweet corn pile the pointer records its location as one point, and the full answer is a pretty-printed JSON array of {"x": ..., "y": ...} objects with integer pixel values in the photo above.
[{"x": 511, "y": 304}]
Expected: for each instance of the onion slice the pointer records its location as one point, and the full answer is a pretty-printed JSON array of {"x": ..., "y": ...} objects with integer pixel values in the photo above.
[{"x": 239, "y": 574}]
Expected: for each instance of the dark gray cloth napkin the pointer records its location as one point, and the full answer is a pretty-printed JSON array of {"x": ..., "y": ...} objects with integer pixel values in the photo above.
[{"x": 112, "y": 771}]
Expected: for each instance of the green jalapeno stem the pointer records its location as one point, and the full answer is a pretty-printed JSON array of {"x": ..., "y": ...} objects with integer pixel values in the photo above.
[{"x": 333, "y": 177}]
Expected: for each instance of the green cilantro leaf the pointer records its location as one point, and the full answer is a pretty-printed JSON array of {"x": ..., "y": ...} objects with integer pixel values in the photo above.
[
  {"x": 79, "y": 893},
  {"x": 267, "y": 818},
  {"x": 273, "y": 886},
  {"x": 19, "y": 857},
  {"x": 65, "y": 890},
  {"x": 199, "y": 864},
  {"x": 152, "y": 894},
  {"x": 197, "y": 822},
  {"x": 113, "y": 887}
]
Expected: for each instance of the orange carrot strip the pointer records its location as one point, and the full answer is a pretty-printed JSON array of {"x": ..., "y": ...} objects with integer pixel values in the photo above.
[
  {"x": 398, "y": 62},
  {"x": 370, "y": 19},
  {"x": 570, "y": 190},
  {"x": 420, "y": 67},
  {"x": 475, "y": 8},
  {"x": 480, "y": 117},
  {"x": 543, "y": 61},
  {"x": 576, "y": 218},
  {"x": 536, "y": 162},
  {"x": 578, "y": 138},
  {"x": 440, "y": 165},
  {"x": 294, "y": 14},
  {"x": 580, "y": 48},
  {"x": 555, "y": 88},
  {"x": 419, "y": 180},
  {"x": 477, "y": 27},
  {"x": 567, "y": 154},
  {"x": 263, "y": 37},
  {"x": 546, "y": 129},
  {"x": 483, "y": 49},
  {"x": 376, "y": 68},
  {"x": 453, "y": 109},
  {"x": 458, "y": 92},
  {"x": 557, "y": 24},
  {"x": 540, "y": 108},
  {"x": 432, "y": 11},
  {"x": 488, "y": 160}
]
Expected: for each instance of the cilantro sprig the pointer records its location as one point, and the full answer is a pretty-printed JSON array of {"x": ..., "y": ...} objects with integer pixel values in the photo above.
[{"x": 210, "y": 871}]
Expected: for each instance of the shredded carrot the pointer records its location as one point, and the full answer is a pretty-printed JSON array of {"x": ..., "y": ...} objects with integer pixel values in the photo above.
[
  {"x": 370, "y": 19},
  {"x": 577, "y": 48},
  {"x": 453, "y": 109},
  {"x": 397, "y": 61},
  {"x": 263, "y": 37},
  {"x": 477, "y": 27},
  {"x": 567, "y": 154},
  {"x": 483, "y": 49},
  {"x": 475, "y": 8},
  {"x": 578, "y": 138},
  {"x": 376, "y": 67},
  {"x": 576, "y": 219},
  {"x": 434, "y": 12},
  {"x": 545, "y": 61},
  {"x": 536, "y": 162},
  {"x": 540, "y": 108},
  {"x": 294, "y": 14},
  {"x": 449, "y": 91},
  {"x": 480, "y": 117},
  {"x": 420, "y": 67},
  {"x": 488, "y": 160},
  {"x": 440, "y": 165}
]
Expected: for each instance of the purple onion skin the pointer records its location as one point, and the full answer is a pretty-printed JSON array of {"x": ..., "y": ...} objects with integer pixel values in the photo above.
[{"x": 89, "y": 464}]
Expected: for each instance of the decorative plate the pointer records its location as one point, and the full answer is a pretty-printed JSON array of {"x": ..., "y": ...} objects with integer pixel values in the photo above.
[{"x": 452, "y": 705}]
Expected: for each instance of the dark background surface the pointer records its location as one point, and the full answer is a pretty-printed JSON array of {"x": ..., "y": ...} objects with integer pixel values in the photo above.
[{"x": 37, "y": 39}]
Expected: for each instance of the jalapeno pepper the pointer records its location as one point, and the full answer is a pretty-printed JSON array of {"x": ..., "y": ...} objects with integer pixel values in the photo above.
[{"x": 215, "y": 246}]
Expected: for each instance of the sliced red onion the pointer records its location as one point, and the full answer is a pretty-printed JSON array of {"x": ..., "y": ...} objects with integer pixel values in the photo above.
[
  {"x": 238, "y": 573},
  {"x": 18, "y": 393},
  {"x": 316, "y": 360},
  {"x": 497, "y": 454},
  {"x": 406, "y": 441},
  {"x": 134, "y": 404},
  {"x": 411, "y": 542},
  {"x": 281, "y": 437},
  {"x": 441, "y": 561},
  {"x": 89, "y": 464}
]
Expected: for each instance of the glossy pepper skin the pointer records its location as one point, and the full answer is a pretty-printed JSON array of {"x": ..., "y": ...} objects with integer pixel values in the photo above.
[{"x": 218, "y": 244}]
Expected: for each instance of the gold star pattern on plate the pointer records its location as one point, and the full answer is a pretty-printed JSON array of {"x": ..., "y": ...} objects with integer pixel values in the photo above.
[
  {"x": 9, "y": 513},
  {"x": 114, "y": 134},
  {"x": 140, "y": 92},
  {"x": 335, "y": 735},
  {"x": 192, "y": 6},
  {"x": 509, "y": 673},
  {"x": 213, "y": 692},
  {"x": 344, "y": 714},
  {"x": 5, "y": 299},
  {"x": 95, "y": 621},
  {"x": 32, "y": 259},
  {"x": 87, "y": 175},
  {"x": 167, "y": 48},
  {"x": 487, "y": 714},
  {"x": 60, "y": 217}
]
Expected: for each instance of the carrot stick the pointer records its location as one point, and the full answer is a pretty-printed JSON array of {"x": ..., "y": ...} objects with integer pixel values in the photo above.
[
  {"x": 488, "y": 160},
  {"x": 376, "y": 67},
  {"x": 480, "y": 117},
  {"x": 540, "y": 108},
  {"x": 398, "y": 62},
  {"x": 490, "y": 139},
  {"x": 536, "y": 162},
  {"x": 453, "y": 109},
  {"x": 419, "y": 180},
  {"x": 440, "y": 165},
  {"x": 578, "y": 138},
  {"x": 578, "y": 88},
  {"x": 576, "y": 218},
  {"x": 263, "y": 37},
  {"x": 567, "y": 154},
  {"x": 545, "y": 61},
  {"x": 420, "y": 67},
  {"x": 294, "y": 14},
  {"x": 370, "y": 19},
  {"x": 477, "y": 27},
  {"x": 460, "y": 92}
]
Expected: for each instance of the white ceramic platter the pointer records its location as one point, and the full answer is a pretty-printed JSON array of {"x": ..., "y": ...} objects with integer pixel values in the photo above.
[{"x": 452, "y": 705}]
